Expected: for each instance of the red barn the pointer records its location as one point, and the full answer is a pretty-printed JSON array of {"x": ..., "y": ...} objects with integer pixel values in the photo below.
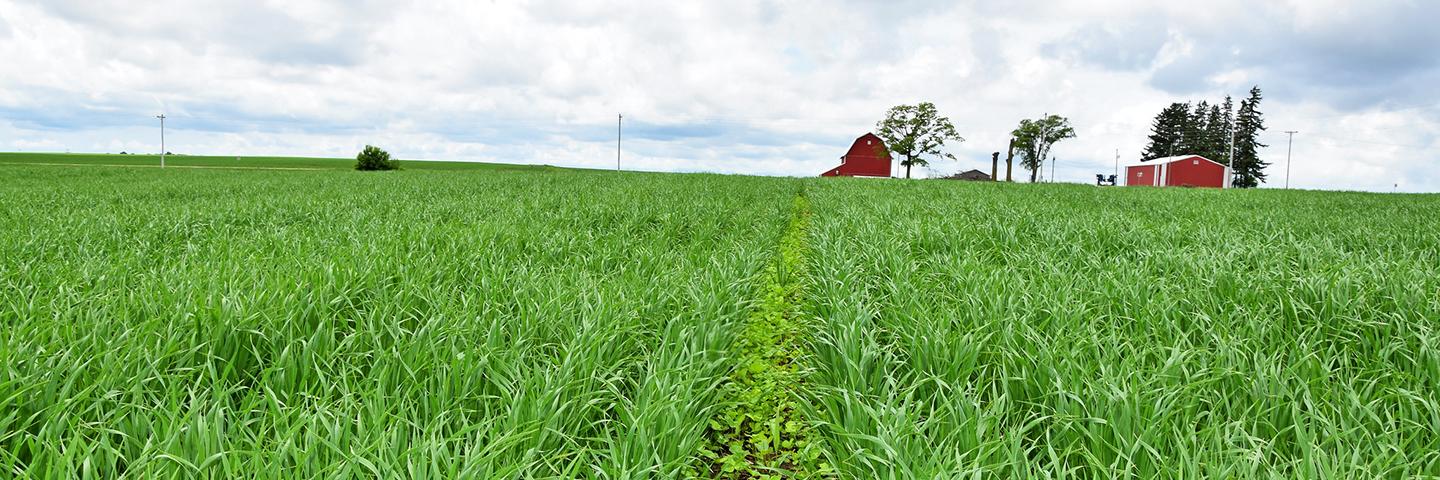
[
  {"x": 867, "y": 157},
  {"x": 1178, "y": 171}
]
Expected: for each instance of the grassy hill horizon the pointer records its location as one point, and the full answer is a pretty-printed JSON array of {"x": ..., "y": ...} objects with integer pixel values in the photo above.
[{"x": 243, "y": 162}]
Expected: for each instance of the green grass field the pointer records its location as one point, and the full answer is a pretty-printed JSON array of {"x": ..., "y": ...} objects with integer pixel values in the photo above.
[
  {"x": 1031, "y": 331},
  {"x": 482, "y": 321}
]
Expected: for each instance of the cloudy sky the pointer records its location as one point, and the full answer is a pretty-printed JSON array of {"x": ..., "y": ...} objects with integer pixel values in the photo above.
[{"x": 740, "y": 86}]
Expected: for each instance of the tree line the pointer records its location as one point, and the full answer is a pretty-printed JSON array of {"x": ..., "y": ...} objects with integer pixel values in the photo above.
[{"x": 1208, "y": 130}]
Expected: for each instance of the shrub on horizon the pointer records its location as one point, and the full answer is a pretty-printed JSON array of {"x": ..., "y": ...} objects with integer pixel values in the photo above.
[{"x": 373, "y": 158}]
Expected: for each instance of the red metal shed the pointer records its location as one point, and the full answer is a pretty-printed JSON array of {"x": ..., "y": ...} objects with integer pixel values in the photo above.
[
  {"x": 867, "y": 157},
  {"x": 1142, "y": 175},
  {"x": 1178, "y": 171}
]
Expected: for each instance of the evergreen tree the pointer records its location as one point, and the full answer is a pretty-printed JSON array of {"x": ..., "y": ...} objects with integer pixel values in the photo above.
[
  {"x": 1227, "y": 113},
  {"x": 1166, "y": 131},
  {"x": 1249, "y": 170},
  {"x": 1215, "y": 135},
  {"x": 1193, "y": 140}
]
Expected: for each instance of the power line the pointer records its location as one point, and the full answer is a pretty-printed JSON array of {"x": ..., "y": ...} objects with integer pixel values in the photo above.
[
  {"x": 1373, "y": 142},
  {"x": 1397, "y": 109}
]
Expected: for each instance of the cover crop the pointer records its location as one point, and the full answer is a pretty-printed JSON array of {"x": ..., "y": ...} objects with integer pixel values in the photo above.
[
  {"x": 1041, "y": 330},
  {"x": 495, "y": 322},
  {"x": 334, "y": 324}
]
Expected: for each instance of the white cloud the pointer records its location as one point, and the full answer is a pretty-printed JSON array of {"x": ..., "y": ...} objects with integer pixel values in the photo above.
[{"x": 741, "y": 87}]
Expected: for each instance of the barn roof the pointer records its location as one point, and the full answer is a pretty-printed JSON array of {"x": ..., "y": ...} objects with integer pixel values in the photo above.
[
  {"x": 884, "y": 151},
  {"x": 1164, "y": 160},
  {"x": 971, "y": 174}
]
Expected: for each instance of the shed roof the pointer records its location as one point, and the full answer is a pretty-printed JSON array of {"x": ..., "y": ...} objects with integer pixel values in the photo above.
[{"x": 1165, "y": 160}]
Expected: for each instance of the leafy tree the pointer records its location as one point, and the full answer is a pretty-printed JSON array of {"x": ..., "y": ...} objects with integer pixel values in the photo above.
[
  {"x": 1248, "y": 169},
  {"x": 373, "y": 158},
  {"x": 1033, "y": 139},
  {"x": 1166, "y": 131},
  {"x": 915, "y": 131}
]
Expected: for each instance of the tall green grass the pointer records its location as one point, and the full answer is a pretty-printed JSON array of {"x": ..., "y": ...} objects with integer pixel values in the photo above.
[
  {"x": 338, "y": 324},
  {"x": 1053, "y": 331},
  {"x": 546, "y": 323}
]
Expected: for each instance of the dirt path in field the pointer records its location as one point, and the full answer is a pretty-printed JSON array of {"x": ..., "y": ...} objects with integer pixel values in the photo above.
[{"x": 167, "y": 166}]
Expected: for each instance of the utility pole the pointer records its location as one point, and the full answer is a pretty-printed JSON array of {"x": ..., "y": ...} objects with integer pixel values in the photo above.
[
  {"x": 1040, "y": 147},
  {"x": 162, "y": 139},
  {"x": 1117, "y": 163},
  {"x": 618, "y": 119},
  {"x": 1179, "y": 136},
  {"x": 1231, "y": 155},
  {"x": 1288, "y": 147}
]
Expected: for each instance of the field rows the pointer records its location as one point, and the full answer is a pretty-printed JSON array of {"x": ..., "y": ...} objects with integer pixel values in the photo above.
[
  {"x": 543, "y": 323},
  {"x": 314, "y": 325},
  {"x": 1023, "y": 332}
]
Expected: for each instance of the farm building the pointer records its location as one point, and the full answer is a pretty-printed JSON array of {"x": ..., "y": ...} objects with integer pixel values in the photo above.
[
  {"x": 867, "y": 157},
  {"x": 1178, "y": 171},
  {"x": 974, "y": 175}
]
